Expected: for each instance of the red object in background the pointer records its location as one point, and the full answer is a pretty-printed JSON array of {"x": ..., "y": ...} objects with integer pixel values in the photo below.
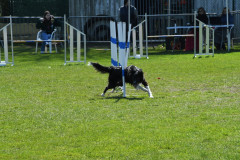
[
  {"x": 189, "y": 44},
  {"x": 183, "y": 2}
]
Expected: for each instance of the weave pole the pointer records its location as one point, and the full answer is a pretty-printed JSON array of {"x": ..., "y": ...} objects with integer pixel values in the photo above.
[
  {"x": 71, "y": 42},
  {"x": 128, "y": 45},
  {"x": 114, "y": 50},
  {"x": 122, "y": 50}
]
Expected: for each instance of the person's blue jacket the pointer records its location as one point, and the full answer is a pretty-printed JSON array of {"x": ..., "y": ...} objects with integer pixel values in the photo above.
[{"x": 224, "y": 19}]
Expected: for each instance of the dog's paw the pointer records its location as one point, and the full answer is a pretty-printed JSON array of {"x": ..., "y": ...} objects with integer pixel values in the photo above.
[
  {"x": 150, "y": 95},
  {"x": 102, "y": 94}
]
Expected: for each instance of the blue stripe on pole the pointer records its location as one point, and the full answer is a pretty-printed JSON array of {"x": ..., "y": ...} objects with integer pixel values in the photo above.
[
  {"x": 122, "y": 45},
  {"x": 113, "y": 40},
  {"x": 114, "y": 63}
]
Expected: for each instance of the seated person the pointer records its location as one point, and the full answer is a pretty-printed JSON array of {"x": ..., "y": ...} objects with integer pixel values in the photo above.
[
  {"x": 47, "y": 25},
  {"x": 221, "y": 33},
  {"x": 202, "y": 16}
]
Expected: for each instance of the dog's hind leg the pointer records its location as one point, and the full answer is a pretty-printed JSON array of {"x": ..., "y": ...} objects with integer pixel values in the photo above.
[
  {"x": 113, "y": 90},
  {"x": 142, "y": 88},
  {"x": 107, "y": 88}
]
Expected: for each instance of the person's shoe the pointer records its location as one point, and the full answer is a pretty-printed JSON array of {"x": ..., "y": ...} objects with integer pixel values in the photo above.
[{"x": 42, "y": 52}]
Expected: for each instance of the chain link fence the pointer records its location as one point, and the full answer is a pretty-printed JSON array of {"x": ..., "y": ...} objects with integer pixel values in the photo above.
[
  {"x": 93, "y": 16},
  {"x": 214, "y": 8}
]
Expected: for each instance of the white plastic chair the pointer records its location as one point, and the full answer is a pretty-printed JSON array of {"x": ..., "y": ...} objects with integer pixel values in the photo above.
[{"x": 49, "y": 43}]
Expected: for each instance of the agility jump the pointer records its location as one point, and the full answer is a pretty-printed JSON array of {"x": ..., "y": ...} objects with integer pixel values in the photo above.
[
  {"x": 208, "y": 28},
  {"x": 71, "y": 41},
  {"x": 5, "y": 44},
  {"x": 67, "y": 37}
]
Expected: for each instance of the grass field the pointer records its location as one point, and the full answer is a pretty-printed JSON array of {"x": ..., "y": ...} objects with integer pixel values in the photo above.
[{"x": 52, "y": 111}]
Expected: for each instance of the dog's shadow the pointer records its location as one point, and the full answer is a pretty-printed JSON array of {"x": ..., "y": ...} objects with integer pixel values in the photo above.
[{"x": 118, "y": 98}]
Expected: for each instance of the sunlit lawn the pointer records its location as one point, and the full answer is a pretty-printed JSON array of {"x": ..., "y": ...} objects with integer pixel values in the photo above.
[{"x": 52, "y": 111}]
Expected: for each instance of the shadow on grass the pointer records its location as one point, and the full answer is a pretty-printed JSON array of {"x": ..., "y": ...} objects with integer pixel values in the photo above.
[{"x": 118, "y": 98}]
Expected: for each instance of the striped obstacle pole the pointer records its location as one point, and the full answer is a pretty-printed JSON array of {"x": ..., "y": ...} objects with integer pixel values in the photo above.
[
  {"x": 114, "y": 50},
  {"x": 123, "y": 47},
  {"x": 114, "y": 46},
  {"x": 72, "y": 30},
  {"x": 5, "y": 44},
  {"x": 122, "y": 51}
]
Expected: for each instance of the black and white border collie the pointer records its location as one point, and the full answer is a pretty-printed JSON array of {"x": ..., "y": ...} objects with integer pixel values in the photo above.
[{"x": 133, "y": 76}]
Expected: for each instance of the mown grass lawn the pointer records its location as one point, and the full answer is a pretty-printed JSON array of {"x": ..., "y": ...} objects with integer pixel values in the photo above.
[{"x": 52, "y": 111}]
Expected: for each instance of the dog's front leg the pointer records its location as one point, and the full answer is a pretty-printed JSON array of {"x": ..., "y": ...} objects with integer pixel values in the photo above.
[
  {"x": 149, "y": 92},
  {"x": 147, "y": 89}
]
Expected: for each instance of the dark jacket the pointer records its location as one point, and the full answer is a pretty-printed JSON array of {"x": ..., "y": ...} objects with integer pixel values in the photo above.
[
  {"x": 47, "y": 26},
  {"x": 123, "y": 14},
  {"x": 203, "y": 18},
  {"x": 224, "y": 19}
]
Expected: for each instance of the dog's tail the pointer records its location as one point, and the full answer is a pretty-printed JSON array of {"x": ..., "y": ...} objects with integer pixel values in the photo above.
[{"x": 100, "y": 68}]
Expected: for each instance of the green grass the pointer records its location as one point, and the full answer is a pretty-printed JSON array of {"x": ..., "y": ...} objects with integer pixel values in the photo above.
[{"x": 52, "y": 111}]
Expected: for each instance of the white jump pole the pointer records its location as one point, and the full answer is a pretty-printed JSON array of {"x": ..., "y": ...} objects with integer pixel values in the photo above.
[
  {"x": 128, "y": 44},
  {"x": 11, "y": 30},
  {"x": 71, "y": 44},
  {"x": 228, "y": 32},
  {"x": 78, "y": 46},
  {"x": 195, "y": 33},
  {"x": 85, "y": 48},
  {"x": 129, "y": 12},
  {"x": 200, "y": 38},
  {"x": 134, "y": 42},
  {"x": 207, "y": 40},
  {"x": 65, "y": 40},
  {"x": 146, "y": 33},
  {"x": 5, "y": 41},
  {"x": 141, "y": 39}
]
